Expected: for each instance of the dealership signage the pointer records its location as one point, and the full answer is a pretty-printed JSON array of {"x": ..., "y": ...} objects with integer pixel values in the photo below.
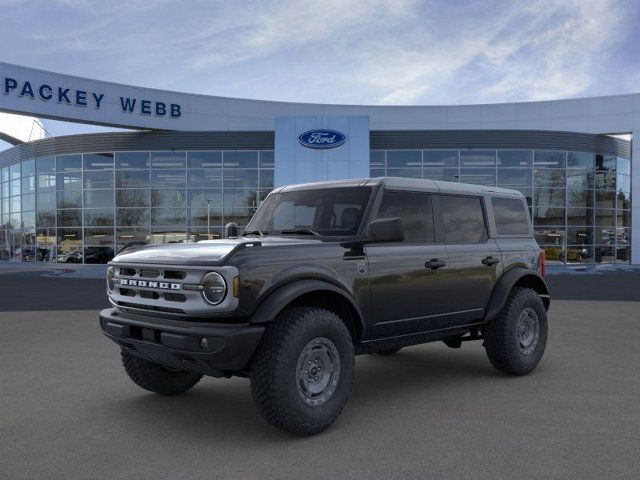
[
  {"x": 322, "y": 138},
  {"x": 86, "y": 98}
]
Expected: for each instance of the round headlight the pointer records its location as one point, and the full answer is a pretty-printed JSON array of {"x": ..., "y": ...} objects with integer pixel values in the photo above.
[
  {"x": 214, "y": 288},
  {"x": 111, "y": 273}
]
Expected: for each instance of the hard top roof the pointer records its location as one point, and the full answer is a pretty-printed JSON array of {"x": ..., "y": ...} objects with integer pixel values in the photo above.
[{"x": 415, "y": 184}]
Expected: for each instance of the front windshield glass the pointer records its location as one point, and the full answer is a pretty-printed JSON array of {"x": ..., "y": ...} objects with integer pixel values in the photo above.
[{"x": 325, "y": 212}]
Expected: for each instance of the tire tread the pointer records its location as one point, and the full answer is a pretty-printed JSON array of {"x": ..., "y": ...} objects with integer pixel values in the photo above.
[
  {"x": 501, "y": 350},
  {"x": 267, "y": 388},
  {"x": 155, "y": 378}
]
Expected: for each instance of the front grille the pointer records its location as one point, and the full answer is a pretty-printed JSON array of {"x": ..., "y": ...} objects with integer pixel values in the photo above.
[
  {"x": 174, "y": 297},
  {"x": 160, "y": 288},
  {"x": 153, "y": 295},
  {"x": 174, "y": 275},
  {"x": 149, "y": 273},
  {"x": 149, "y": 294},
  {"x": 151, "y": 308},
  {"x": 152, "y": 273}
]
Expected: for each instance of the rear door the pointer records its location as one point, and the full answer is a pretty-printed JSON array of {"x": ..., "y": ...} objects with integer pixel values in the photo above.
[
  {"x": 408, "y": 280},
  {"x": 513, "y": 231},
  {"x": 474, "y": 258}
]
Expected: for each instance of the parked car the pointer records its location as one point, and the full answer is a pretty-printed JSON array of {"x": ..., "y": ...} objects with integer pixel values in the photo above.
[
  {"x": 566, "y": 254},
  {"x": 324, "y": 272},
  {"x": 72, "y": 256}
]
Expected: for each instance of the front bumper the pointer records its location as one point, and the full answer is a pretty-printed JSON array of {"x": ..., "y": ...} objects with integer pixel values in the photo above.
[{"x": 213, "y": 349}]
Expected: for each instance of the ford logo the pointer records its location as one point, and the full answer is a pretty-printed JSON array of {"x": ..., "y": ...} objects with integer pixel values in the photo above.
[{"x": 322, "y": 139}]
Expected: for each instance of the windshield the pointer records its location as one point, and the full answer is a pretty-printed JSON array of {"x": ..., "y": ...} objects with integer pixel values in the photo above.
[{"x": 325, "y": 212}]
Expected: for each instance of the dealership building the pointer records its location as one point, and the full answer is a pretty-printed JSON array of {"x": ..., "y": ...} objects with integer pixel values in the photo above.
[{"x": 192, "y": 163}]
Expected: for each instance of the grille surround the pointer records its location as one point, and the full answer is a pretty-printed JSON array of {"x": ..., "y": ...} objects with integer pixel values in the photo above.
[{"x": 149, "y": 288}]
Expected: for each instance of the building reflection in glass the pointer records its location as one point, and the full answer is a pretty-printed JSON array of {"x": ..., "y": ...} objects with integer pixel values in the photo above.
[
  {"x": 579, "y": 201},
  {"x": 83, "y": 208}
]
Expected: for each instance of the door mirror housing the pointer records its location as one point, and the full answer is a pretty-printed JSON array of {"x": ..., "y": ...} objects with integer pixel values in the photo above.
[
  {"x": 231, "y": 230},
  {"x": 385, "y": 230}
]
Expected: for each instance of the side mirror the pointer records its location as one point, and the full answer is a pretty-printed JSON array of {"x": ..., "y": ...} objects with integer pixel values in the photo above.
[
  {"x": 385, "y": 230},
  {"x": 231, "y": 230}
]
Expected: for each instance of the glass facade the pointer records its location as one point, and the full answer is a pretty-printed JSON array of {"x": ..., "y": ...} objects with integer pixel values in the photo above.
[
  {"x": 82, "y": 208},
  {"x": 580, "y": 202}
]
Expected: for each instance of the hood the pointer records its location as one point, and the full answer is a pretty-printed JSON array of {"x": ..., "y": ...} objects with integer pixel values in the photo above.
[{"x": 207, "y": 252}]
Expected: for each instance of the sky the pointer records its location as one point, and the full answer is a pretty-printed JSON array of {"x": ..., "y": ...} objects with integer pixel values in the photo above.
[{"x": 380, "y": 52}]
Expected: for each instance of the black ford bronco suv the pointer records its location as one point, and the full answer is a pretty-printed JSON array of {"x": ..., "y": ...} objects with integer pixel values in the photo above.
[{"x": 326, "y": 271}]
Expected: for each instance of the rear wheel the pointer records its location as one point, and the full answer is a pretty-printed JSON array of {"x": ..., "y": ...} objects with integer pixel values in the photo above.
[
  {"x": 302, "y": 371},
  {"x": 515, "y": 341},
  {"x": 155, "y": 378}
]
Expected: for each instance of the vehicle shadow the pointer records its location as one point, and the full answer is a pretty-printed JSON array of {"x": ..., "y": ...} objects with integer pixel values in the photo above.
[{"x": 224, "y": 409}]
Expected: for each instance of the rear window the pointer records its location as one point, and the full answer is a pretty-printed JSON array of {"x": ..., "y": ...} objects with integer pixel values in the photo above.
[{"x": 511, "y": 216}]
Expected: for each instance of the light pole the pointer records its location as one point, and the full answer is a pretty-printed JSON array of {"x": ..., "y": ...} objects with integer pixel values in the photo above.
[{"x": 208, "y": 219}]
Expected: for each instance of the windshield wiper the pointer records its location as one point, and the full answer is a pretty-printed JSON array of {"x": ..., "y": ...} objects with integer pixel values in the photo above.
[
  {"x": 255, "y": 232},
  {"x": 300, "y": 231}
]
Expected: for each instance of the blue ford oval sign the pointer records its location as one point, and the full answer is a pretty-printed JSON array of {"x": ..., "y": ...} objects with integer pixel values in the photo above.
[{"x": 322, "y": 138}]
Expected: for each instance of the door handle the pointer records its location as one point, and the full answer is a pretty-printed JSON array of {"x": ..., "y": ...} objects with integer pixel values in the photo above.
[
  {"x": 488, "y": 261},
  {"x": 435, "y": 264}
]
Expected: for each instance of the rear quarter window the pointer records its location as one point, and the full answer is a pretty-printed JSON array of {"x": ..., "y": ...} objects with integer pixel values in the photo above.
[{"x": 510, "y": 215}]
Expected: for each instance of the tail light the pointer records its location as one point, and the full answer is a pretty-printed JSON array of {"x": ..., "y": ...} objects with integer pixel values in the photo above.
[{"x": 543, "y": 263}]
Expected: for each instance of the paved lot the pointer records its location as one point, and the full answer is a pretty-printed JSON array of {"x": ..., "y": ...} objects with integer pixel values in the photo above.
[{"x": 68, "y": 411}]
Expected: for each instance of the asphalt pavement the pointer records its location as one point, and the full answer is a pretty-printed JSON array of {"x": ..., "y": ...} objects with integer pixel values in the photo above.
[{"x": 67, "y": 409}]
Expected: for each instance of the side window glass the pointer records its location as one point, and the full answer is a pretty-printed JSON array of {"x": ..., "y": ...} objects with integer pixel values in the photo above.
[
  {"x": 463, "y": 219},
  {"x": 289, "y": 215},
  {"x": 415, "y": 211},
  {"x": 346, "y": 217},
  {"x": 511, "y": 216}
]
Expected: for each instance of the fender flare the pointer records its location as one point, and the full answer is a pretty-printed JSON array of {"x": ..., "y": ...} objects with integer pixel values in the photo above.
[
  {"x": 505, "y": 284},
  {"x": 275, "y": 302}
]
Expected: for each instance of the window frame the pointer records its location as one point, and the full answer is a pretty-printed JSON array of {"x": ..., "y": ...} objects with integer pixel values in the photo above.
[
  {"x": 436, "y": 238},
  {"x": 485, "y": 218},
  {"x": 370, "y": 206},
  {"x": 494, "y": 225}
]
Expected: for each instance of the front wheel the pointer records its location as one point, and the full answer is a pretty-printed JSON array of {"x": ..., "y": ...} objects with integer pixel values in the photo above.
[
  {"x": 515, "y": 341},
  {"x": 302, "y": 371}
]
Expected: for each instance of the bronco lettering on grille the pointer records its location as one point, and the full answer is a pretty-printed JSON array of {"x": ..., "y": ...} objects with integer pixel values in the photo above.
[{"x": 127, "y": 282}]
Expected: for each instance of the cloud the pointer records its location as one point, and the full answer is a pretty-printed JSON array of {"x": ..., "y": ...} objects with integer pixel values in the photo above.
[
  {"x": 337, "y": 51},
  {"x": 421, "y": 52},
  {"x": 559, "y": 55},
  {"x": 549, "y": 50},
  {"x": 266, "y": 28}
]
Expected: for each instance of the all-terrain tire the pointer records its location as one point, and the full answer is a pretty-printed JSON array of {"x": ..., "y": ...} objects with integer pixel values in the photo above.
[
  {"x": 278, "y": 380},
  {"x": 511, "y": 347},
  {"x": 155, "y": 378}
]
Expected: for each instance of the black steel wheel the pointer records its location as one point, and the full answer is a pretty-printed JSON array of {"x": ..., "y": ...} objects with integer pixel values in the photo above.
[
  {"x": 516, "y": 340},
  {"x": 302, "y": 371},
  {"x": 528, "y": 330},
  {"x": 318, "y": 371}
]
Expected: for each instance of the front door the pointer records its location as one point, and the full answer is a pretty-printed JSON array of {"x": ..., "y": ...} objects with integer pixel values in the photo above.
[{"x": 408, "y": 280}]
